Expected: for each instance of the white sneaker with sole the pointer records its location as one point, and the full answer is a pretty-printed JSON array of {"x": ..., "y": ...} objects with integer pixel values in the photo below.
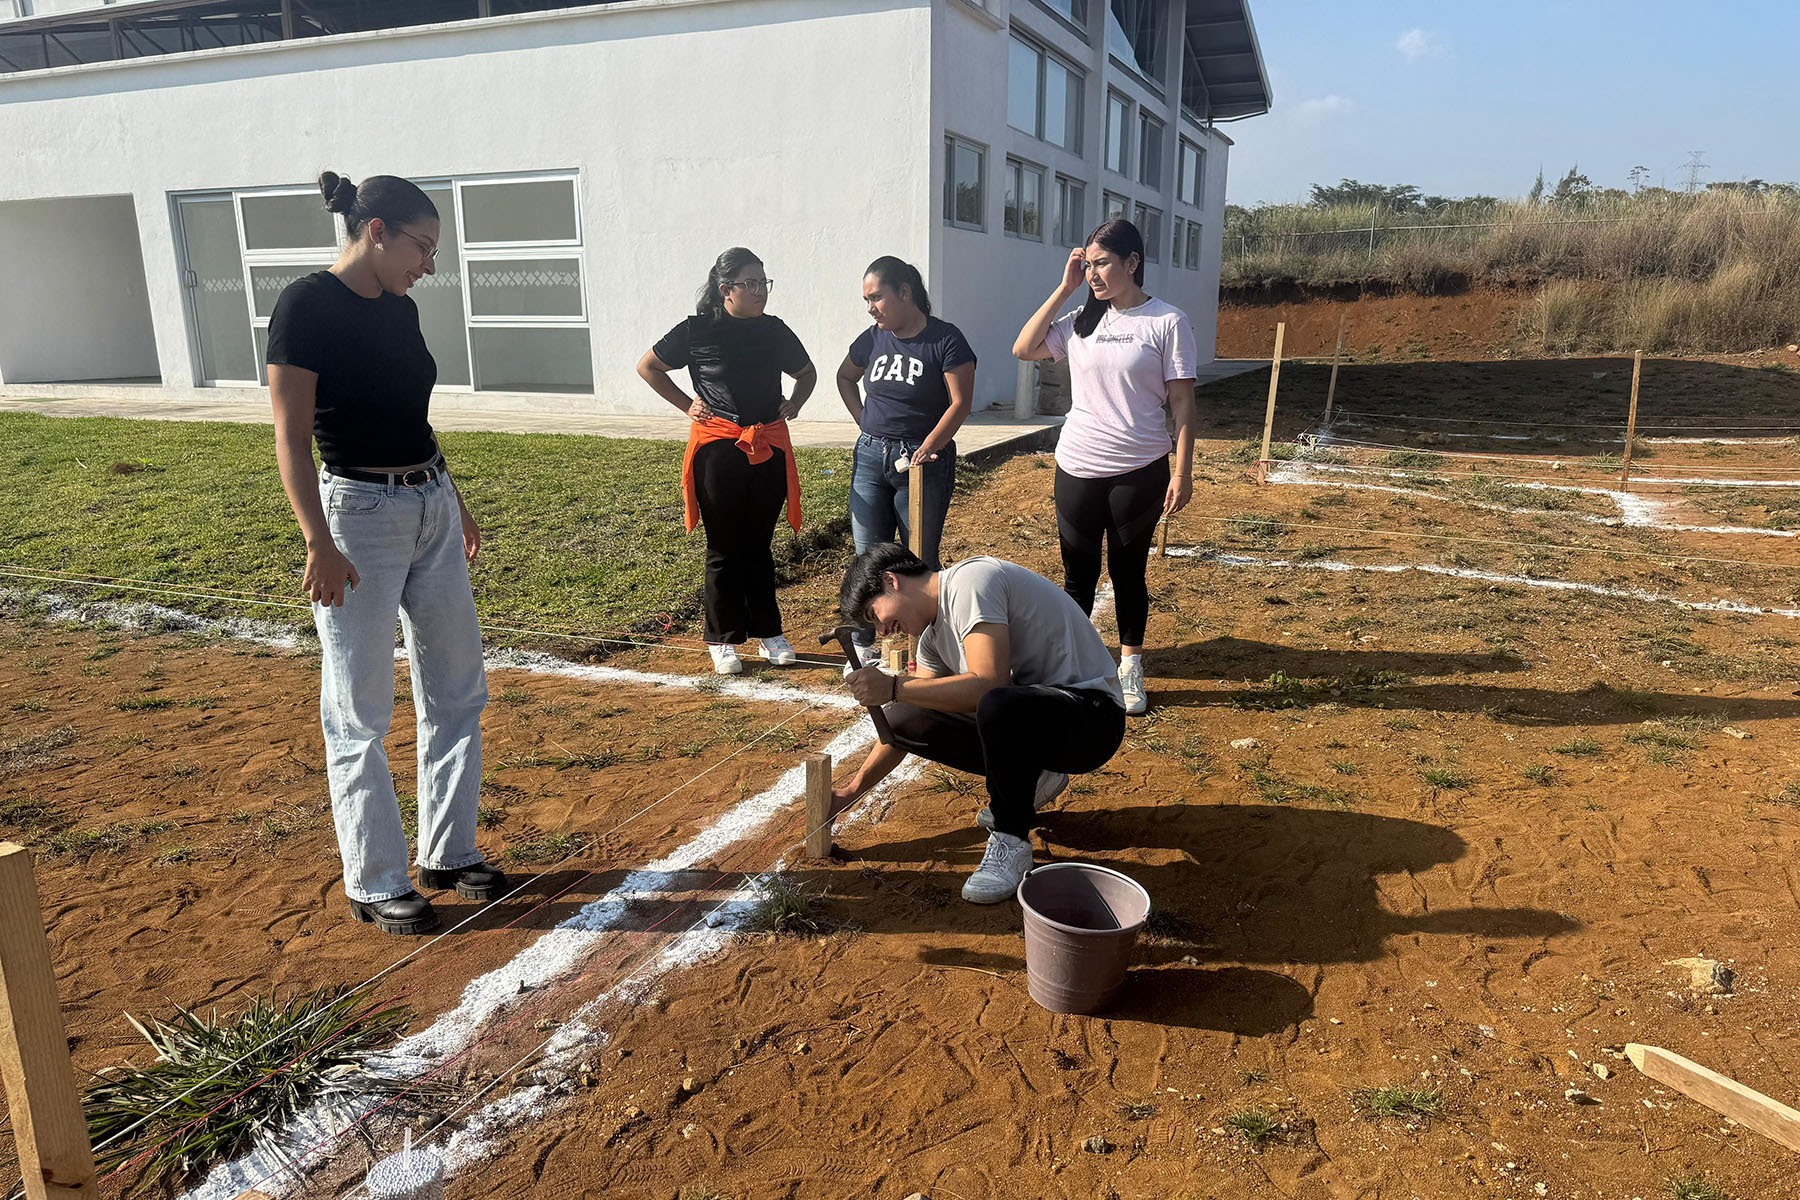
[
  {"x": 1002, "y": 867},
  {"x": 778, "y": 651},
  {"x": 1131, "y": 682},
  {"x": 725, "y": 659},
  {"x": 1050, "y": 785}
]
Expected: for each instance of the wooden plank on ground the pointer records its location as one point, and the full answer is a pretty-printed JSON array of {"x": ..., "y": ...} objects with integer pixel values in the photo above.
[{"x": 1727, "y": 1097}]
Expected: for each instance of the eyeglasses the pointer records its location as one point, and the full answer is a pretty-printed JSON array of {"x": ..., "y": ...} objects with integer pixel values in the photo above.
[
  {"x": 764, "y": 286},
  {"x": 429, "y": 250}
]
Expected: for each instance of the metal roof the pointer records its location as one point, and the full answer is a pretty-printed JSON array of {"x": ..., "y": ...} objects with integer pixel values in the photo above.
[{"x": 1222, "y": 76}]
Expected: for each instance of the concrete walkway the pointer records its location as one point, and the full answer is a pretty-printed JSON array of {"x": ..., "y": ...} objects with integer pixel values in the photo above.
[{"x": 986, "y": 434}]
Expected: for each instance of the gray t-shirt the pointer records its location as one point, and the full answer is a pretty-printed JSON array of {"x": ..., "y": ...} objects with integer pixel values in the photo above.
[{"x": 1053, "y": 642}]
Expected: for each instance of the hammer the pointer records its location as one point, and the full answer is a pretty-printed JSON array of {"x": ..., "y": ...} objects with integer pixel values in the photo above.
[{"x": 842, "y": 636}]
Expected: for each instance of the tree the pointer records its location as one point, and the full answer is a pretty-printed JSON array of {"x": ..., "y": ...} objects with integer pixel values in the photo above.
[
  {"x": 1639, "y": 176},
  {"x": 1536, "y": 195},
  {"x": 1399, "y": 198},
  {"x": 1573, "y": 188}
]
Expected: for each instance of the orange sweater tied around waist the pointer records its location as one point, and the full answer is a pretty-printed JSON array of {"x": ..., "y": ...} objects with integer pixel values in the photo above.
[{"x": 757, "y": 442}]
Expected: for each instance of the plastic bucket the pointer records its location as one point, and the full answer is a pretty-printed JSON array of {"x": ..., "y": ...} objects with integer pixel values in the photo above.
[{"x": 1081, "y": 923}]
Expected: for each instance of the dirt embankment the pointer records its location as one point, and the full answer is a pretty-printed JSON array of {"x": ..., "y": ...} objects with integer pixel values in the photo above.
[{"x": 1480, "y": 323}]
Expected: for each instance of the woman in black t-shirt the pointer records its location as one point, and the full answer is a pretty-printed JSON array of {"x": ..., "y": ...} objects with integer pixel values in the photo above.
[
  {"x": 387, "y": 535},
  {"x": 740, "y": 468}
]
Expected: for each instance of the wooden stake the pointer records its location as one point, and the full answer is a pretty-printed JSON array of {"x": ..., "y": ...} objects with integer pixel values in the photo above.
[
  {"x": 915, "y": 507},
  {"x": 1262, "y": 464},
  {"x": 1637, "y": 368},
  {"x": 1162, "y": 541},
  {"x": 1335, "y": 356},
  {"x": 1727, "y": 1097},
  {"x": 55, "y": 1159},
  {"x": 818, "y": 806}
]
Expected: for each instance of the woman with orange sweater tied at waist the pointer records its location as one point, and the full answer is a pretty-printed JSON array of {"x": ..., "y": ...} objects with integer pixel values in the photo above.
[{"x": 740, "y": 466}]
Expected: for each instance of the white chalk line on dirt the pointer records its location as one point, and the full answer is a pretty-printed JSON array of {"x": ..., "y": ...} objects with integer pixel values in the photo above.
[
  {"x": 1557, "y": 585},
  {"x": 1636, "y": 510},
  {"x": 553, "y": 957},
  {"x": 156, "y": 618}
]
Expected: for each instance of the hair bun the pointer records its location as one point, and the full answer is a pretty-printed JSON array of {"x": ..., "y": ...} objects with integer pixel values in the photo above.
[{"x": 339, "y": 192}]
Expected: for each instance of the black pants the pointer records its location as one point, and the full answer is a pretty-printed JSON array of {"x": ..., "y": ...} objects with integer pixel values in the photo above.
[
  {"x": 1016, "y": 733},
  {"x": 1122, "y": 510},
  {"x": 739, "y": 505}
]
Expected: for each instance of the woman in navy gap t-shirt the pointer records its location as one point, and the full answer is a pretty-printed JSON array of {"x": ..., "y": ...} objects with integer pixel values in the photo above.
[{"x": 918, "y": 380}]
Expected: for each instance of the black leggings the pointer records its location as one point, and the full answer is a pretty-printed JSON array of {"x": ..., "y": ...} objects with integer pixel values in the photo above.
[
  {"x": 1013, "y": 734},
  {"x": 739, "y": 505},
  {"x": 1122, "y": 509}
]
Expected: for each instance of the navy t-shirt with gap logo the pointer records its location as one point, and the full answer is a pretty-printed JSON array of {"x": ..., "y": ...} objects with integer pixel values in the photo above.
[{"x": 904, "y": 394}]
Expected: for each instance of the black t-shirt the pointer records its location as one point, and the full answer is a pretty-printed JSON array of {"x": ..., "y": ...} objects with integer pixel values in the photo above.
[
  {"x": 375, "y": 373},
  {"x": 735, "y": 363},
  {"x": 904, "y": 394}
]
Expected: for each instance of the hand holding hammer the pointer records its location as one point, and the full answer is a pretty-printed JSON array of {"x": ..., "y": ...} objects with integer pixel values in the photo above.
[{"x": 842, "y": 636}]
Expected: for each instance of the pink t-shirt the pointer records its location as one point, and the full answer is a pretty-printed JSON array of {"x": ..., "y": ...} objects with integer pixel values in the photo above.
[{"x": 1118, "y": 384}]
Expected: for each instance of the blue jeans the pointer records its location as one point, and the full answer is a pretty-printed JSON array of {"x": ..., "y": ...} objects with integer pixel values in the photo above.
[
  {"x": 406, "y": 546},
  {"x": 879, "y": 495}
]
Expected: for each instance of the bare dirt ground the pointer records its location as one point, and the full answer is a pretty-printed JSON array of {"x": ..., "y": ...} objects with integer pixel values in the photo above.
[{"x": 1440, "y": 832}]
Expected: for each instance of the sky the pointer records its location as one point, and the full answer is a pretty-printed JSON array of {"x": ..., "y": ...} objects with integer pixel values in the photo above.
[{"x": 1459, "y": 97}]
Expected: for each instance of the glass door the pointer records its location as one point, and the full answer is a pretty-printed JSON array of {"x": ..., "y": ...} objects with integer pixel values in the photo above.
[{"x": 216, "y": 291}]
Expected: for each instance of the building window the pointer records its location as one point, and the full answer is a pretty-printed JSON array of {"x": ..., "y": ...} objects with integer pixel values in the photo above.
[
  {"x": 1073, "y": 11},
  {"x": 1134, "y": 35},
  {"x": 1150, "y": 141},
  {"x": 1193, "y": 245},
  {"x": 965, "y": 165},
  {"x": 1149, "y": 223},
  {"x": 1071, "y": 199},
  {"x": 1175, "y": 246},
  {"x": 1115, "y": 208},
  {"x": 1043, "y": 95},
  {"x": 1192, "y": 185},
  {"x": 1118, "y": 125},
  {"x": 504, "y": 310},
  {"x": 1023, "y": 212}
]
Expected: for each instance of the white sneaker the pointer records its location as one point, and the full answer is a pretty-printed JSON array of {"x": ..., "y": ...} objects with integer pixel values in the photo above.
[
  {"x": 1131, "y": 682},
  {"x": 725, "y": 659},
  {"x": 1051, "y": 784},
  {"x": 1002, "y": 867},
  {"x": 778, "y": 651}
]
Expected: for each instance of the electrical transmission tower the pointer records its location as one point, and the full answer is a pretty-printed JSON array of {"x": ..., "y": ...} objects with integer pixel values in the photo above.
[{"x": 1695, "y": 164}]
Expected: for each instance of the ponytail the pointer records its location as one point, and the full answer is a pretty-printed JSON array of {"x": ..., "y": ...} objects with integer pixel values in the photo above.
[
  {"x": 710, "y": 302},
  {"x": 896, "y": 274}
]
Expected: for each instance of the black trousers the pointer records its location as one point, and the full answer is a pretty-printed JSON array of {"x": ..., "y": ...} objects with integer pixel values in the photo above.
[
  {"x": 1015, "y": 733},
  {"x": 1122, "y": 510},
  {"x": 739, "y": 505}
]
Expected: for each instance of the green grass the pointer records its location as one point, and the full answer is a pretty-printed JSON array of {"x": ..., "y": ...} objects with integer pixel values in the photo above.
[
  {"x": 142, "y": 704},
  {"x": 785, "y": 907},
  {"x": 1581, "y": 747},
  {"x": 1282, "y": 690},
  {"x": 594, "y": 542},
  {"x": 218, "y": 1084},
  {"x": 1694, "y": 1187},
  {"x": 1255, "y": 1126},
  {"x": 551, "y": 848},
  {"x": 1448, "y": 778},
  {"x": 1542, "y": 773},
  {"x": 1403, "y": 1103}
]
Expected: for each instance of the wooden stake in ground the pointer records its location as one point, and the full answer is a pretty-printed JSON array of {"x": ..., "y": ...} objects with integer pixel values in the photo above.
[
  {"x": 1637, "y": 368},
  {"x": 55, "y": 1159},
  {"x": 1727, "y": 1097},
  {"x": 915, "y": 526},
  {"x": 1262, "y": 464},
  {"x": 818, "y": 806},
  {"x": 1337, "y": 354}
]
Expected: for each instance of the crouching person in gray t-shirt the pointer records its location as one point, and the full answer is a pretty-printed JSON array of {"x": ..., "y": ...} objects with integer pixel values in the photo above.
[{"x": 1014, "y": 683}]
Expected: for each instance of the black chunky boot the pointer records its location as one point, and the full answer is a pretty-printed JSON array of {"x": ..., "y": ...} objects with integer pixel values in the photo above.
[
  {"x": 477, "y": 881},
  {"x": 411, "y": 913}
]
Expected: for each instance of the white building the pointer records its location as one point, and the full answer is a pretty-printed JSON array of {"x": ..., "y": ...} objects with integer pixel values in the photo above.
[{"x": 156, "y": 159}]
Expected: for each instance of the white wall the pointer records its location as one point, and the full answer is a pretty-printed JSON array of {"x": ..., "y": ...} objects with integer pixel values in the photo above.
[
  {"x": 73, "y": 305},
  {"x": 989, "y": 283},
  {"x": 783, "y": 125}
]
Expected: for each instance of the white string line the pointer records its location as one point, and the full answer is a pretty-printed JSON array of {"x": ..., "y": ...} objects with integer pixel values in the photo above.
[
  {"x": 197, "y": 593},
  {"x": 1642, "y": 465},
  {"x": 1396, "y": 418},
  {"x": 473, "y": 915}
]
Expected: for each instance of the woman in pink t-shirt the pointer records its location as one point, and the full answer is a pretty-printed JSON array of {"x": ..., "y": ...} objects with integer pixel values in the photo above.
[{"x": 1129, "y": 357}]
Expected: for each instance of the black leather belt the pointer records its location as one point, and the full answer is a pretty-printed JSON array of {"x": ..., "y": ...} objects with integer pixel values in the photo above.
[{"x": 417, "y": 477}]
